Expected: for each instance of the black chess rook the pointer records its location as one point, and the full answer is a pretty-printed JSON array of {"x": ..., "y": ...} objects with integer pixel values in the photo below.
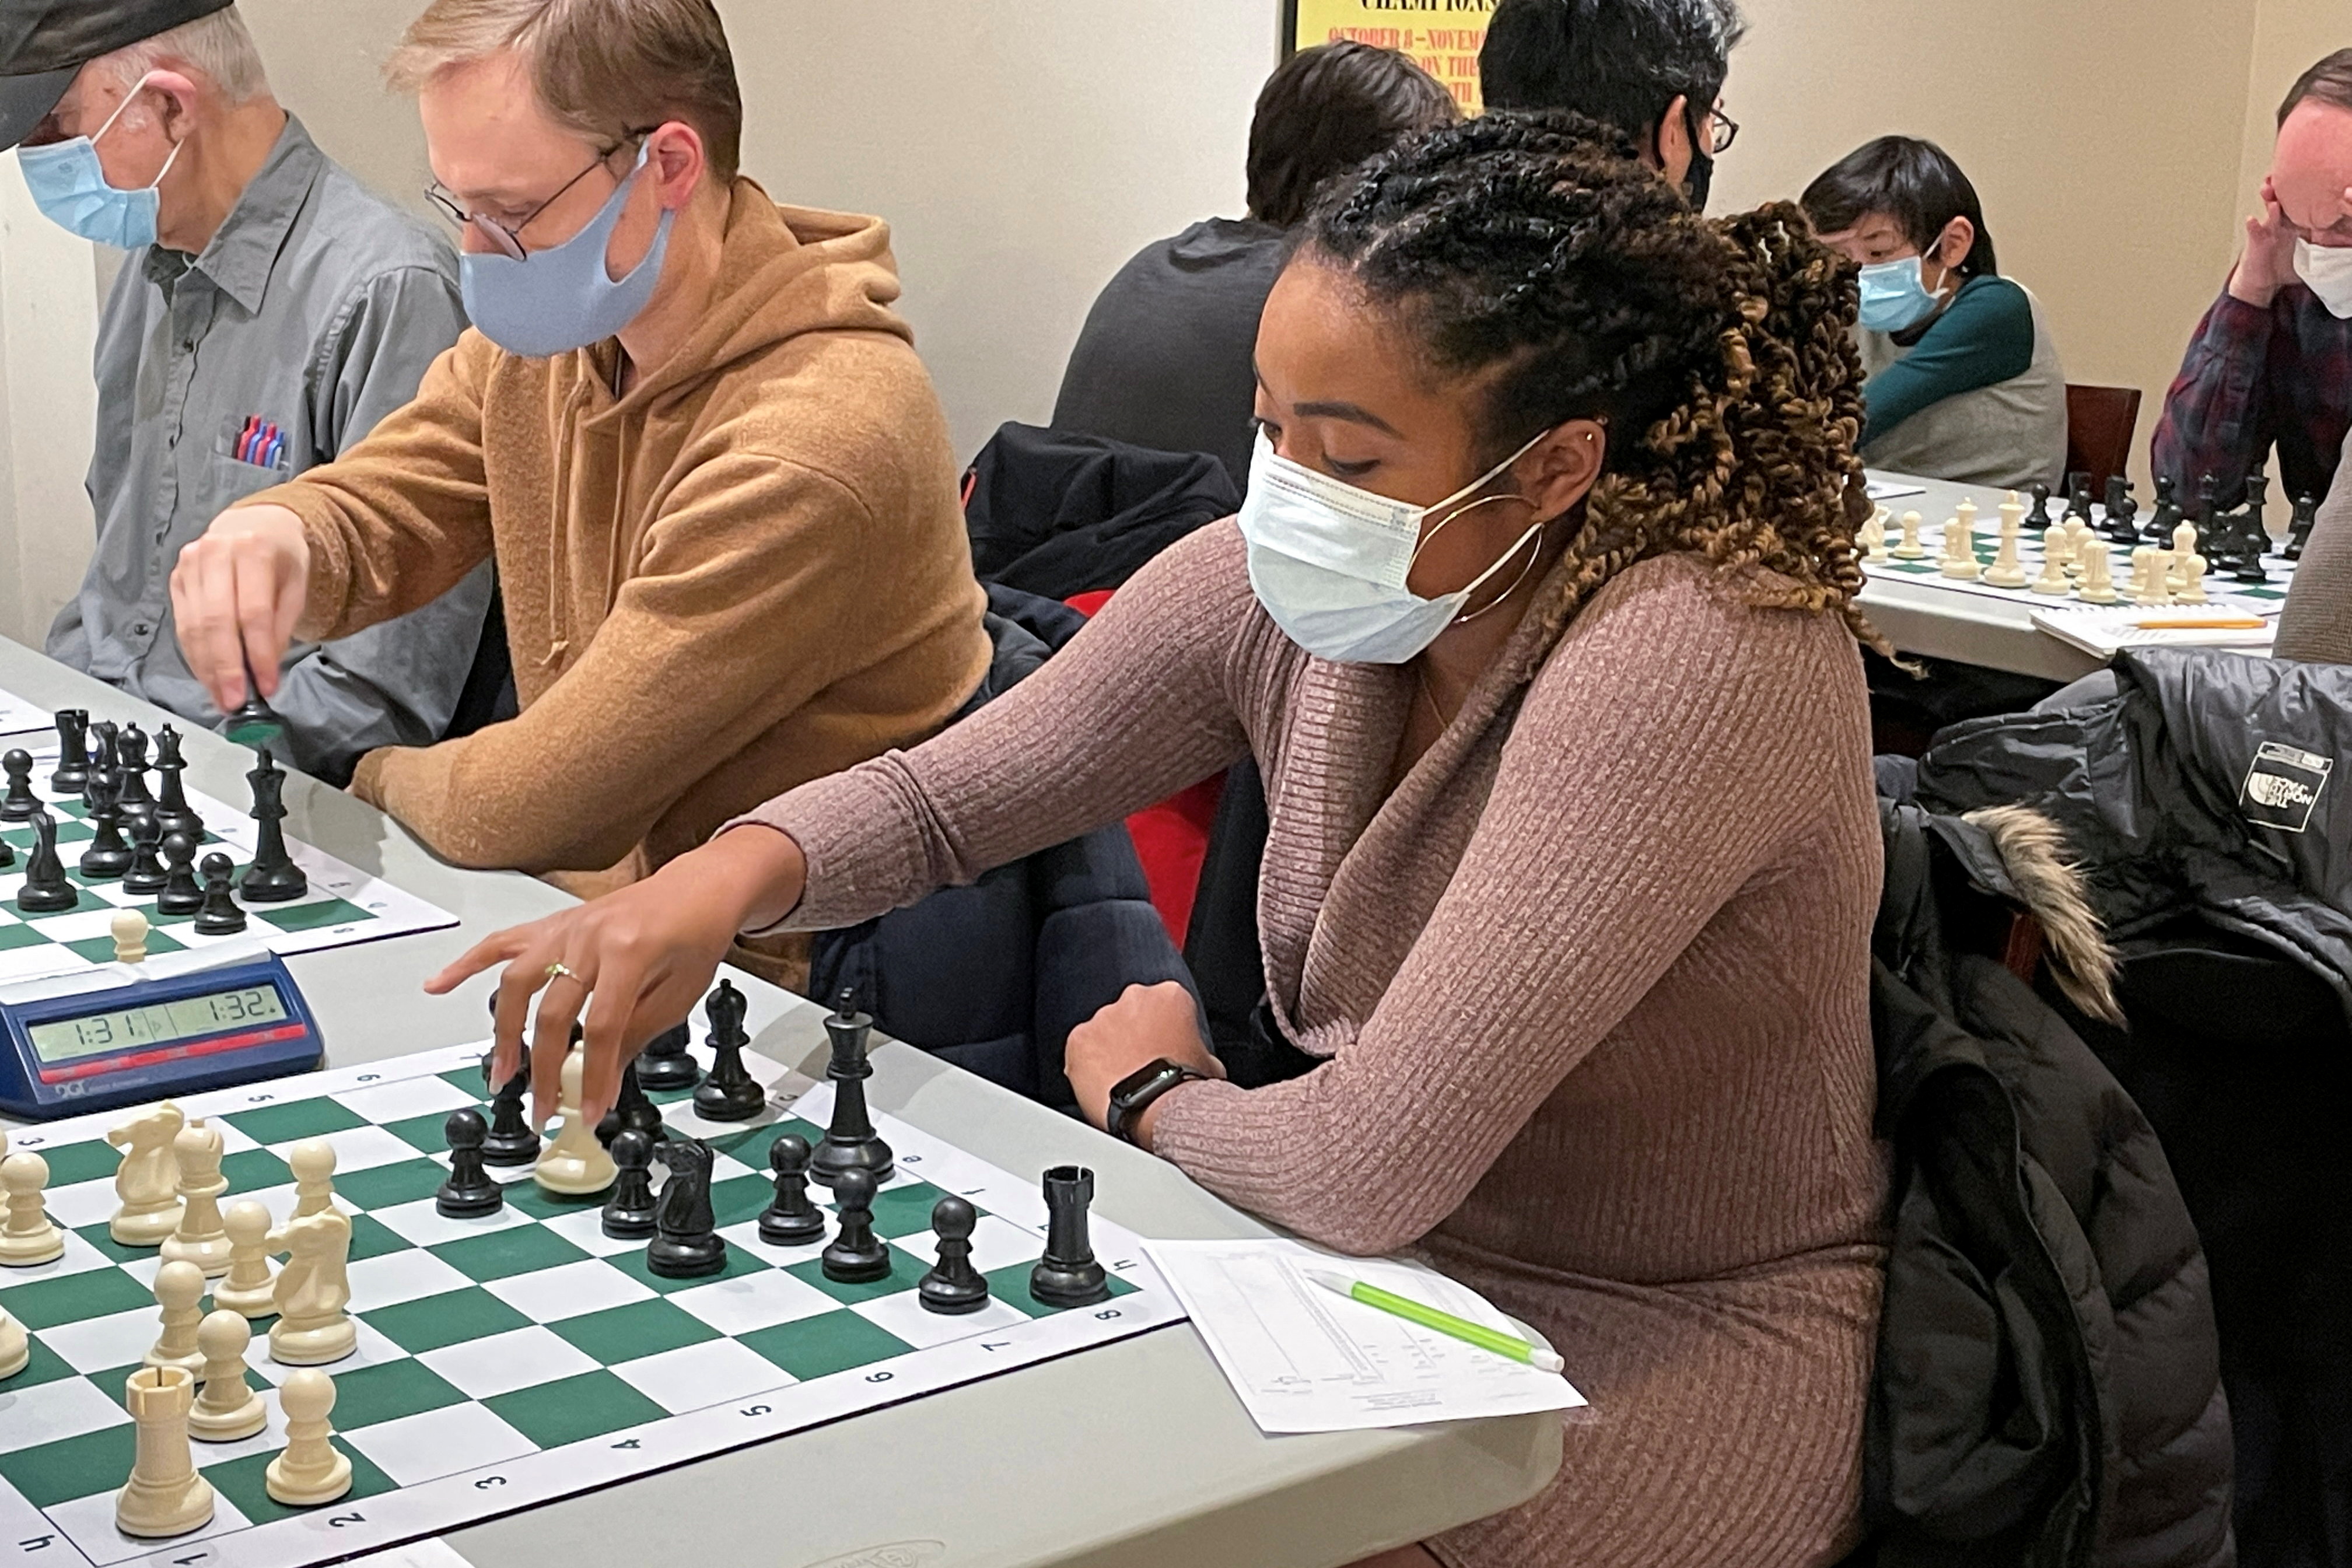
[
  {"x": 850, "y": 1142},
  {"x": 73, "y": 752},
  {"x": 1068, "y": 1274}
]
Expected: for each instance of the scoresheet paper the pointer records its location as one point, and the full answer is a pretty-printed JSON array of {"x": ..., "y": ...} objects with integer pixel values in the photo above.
[{"x": 1304, "y": 1360}]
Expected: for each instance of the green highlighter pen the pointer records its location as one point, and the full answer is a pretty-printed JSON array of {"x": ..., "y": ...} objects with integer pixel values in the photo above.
[{"x": 1446, "y": 1324}]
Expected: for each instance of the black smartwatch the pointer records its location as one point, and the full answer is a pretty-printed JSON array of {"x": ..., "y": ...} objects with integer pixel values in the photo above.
[{"x": 1133, "y": 1094}]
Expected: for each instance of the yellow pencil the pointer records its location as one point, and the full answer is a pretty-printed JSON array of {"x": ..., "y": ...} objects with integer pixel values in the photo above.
[{"x": 2207, "y": 624}]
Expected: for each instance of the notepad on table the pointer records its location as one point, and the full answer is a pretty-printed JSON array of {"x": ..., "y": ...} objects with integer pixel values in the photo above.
[{"x": 2105, "y": 631}]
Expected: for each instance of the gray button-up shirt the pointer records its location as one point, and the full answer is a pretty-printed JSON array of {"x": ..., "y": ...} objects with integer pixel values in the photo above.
[{"x": 317, "y": 306}]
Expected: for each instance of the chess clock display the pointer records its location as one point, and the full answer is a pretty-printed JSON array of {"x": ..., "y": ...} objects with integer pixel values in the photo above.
[{"x": 94, "y": 1050}]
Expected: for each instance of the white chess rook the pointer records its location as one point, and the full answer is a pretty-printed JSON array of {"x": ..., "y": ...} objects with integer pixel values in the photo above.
[
  {"x": 228, "y": 1409},
  {"x": 148, "y": 1180},
  {"x": 164, "y": 1495},
  {"x": 27, "y": 1238},
  {"x": 311, "y": 1471},
  {"x": 202, "y": 1238}
]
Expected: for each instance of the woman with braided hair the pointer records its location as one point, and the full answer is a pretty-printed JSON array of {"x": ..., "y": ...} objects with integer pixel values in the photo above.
[{"x": 1539, "y": 620}]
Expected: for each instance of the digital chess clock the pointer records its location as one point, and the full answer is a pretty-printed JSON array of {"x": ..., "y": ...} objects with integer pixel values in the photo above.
[{"x": 155, "y": 1039}]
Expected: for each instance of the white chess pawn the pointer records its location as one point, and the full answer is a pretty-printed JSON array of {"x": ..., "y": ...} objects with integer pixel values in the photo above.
[
  {"x": 27, "y": 1238},
  {"x": 313, "y": 1288},
  {"x": 228, "y": 1408},
  {"x": 576, "y": 1162},
  {"x": 201, "y": 1239},
  {"x": 2159, "y": 577},
  {"x": 179, "y": 1291},
  {"x": 2192, "y": 581},
  {"x": 2137, "y": 589},
  {"x": 148, "y": 1180},
  {"x": 311, "y": 1471},
  {"x": 312, "y": 1161},
  {"x": 1910, "y": 549},
  {"x": 2079, "y": 544},
  {"x": 251, "y": 1284},
  {"x": 164, "y": 1495},
  {"x": 16, "y": 1347},
  {"x": 2053, "y": 563},
  {"x": 128, "y": 929},
  {"x": 2098, "y": 586},
  {"x": 1959, "y": 549}
]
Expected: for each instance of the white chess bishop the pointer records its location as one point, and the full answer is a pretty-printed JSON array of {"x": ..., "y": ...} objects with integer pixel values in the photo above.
[
  {"x": 201, "y": 1239},
  {"x": 148, "y": 1180}
]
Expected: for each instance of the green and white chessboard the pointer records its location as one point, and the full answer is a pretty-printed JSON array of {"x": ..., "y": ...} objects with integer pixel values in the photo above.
[
  {"x": 343, "y": 906},
  {"x": 509, "y": 1361},
  {"x": 2222, "y": 595}
]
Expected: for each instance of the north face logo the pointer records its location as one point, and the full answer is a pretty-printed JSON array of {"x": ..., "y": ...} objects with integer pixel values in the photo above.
[
  {"x": 2283, "y": 785},
  {"x": 2269, "y": 789}
]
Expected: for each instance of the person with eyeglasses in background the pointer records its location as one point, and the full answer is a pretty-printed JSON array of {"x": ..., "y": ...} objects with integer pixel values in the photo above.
[
  {"x": 1653, "y": 69},
  {"x": 271, "y": 310},
  {"x": 689, "y": 427}
]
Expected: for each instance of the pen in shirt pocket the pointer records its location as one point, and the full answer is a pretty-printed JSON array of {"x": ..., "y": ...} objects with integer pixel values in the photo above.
[{"x": 261, "y": 443}]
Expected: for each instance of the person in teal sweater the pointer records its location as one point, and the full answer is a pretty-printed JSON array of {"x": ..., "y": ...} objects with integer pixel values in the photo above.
[{"x": 1964, "y": 381}]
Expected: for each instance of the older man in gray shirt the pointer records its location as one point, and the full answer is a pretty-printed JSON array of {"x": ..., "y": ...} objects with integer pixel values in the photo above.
[{"x": 271, "y": 310}]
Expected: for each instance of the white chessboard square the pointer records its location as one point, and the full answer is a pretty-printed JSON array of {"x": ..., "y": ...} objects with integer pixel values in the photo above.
[
  {"x": 416, "y": 1449},
  {"x": 903, "y": 1314},
  {"x": 269, "y": 1440},
  {"x": 357, "y": 1148},
  {"x": 76, "y": 925},
  {"x": 521, "y": 1358},
  {"x": 118, "y": 1339},
  {"x": 995, "y": 1243},
  {"x": 551, "y": 1295},
  {"x": 747, "y": 1237},
  {"x": 585, "y": 1228},
  {"x": 89, "y": 1523},
  {"x": 387, "y": 1102},
  {"x": 752, "y": 1302},
  {"x": 695, "y": 1377},
  {"x": 52, "y": 1412},
  {"x": 79, "y": 1258},
  {"x": 84, "y": 1203},
  {"x": 423, "y": 1225},
  {"x": 405, "y": 1276},
  {"x": 373, "y": 1350}
]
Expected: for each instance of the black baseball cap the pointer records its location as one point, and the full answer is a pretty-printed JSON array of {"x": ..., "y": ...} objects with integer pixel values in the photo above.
[{"x": 44, "y": 42}]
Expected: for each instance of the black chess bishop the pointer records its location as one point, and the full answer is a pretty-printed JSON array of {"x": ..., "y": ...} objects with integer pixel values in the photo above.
[
  {"x": 106, "y": 857},
  {"x": 730, "y": 1093}
]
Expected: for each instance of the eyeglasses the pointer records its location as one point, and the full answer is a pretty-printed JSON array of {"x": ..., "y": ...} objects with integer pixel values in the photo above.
[
  {"x": 507, "y": 241},
  {"x": 1724, "y": 132}
]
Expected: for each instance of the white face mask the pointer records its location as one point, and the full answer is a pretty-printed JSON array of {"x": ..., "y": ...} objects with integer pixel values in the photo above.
[
  {"x": 1329, "y": 561},
  {"x": 2327, "y": 269}
]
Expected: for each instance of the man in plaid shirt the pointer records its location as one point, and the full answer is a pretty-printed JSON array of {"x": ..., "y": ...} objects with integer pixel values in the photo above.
[{"x": 2272, "y": 362}]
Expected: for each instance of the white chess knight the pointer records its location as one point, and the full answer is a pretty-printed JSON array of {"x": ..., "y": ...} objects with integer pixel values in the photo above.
[
  {"x": 250, "y": 1287},
  {"x": 27, "y": 1238},
  {"x": 228, "y": 1409},
  {"x": 1960, "y": 558},
  {"x": 312, "y": 1161},
  {"x": 148, "y": 1180},
  {"x": 310, "y": 1471},
  {"x": 180, "y": 1292},
  {"x": 312, "y": 1291},
  {"x": 164, "y": 1496},
  {"x": 201, "y": 1239},
  {"x": 576, "y": 1162}
]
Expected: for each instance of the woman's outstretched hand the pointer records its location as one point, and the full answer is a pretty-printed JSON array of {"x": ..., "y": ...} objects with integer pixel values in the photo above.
[{"x": 637, "y": 960}]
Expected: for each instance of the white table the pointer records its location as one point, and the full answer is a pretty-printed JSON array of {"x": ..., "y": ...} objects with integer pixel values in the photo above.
[{"x": 1133, "y": 1455}]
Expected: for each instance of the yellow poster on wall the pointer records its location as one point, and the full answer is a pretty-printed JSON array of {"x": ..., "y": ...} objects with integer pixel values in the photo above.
[{"x": 1443, "y": 36}]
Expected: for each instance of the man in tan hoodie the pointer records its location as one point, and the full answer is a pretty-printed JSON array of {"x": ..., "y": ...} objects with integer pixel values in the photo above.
[{"x": 689, "y": 427}]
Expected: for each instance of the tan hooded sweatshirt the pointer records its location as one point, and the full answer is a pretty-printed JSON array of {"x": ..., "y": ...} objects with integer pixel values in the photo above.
[{"x": 748, "y": 572}]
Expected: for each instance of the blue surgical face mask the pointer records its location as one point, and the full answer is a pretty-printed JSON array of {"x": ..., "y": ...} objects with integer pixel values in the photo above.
[
  {"x": 1329, "y": 561},
  {"x": 1895, "y": 294},
  {"x": 69, "y": 185},
  {"x": 561, "y": 298}
]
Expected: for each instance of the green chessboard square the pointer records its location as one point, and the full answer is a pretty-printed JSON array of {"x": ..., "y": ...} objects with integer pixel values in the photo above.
[
  {"x": 17, "y": 936},
  {"x": 740, "y": 1199},
  {"x": 52, "y": 1473},
  {"x": 389, "y": 1186},
  {"x": 905, "y": 1211},
  {"x": 588, "y": 1405},
  {"x": 96, "y": 1293},
  {"x": 251, "y": 1171},
  {"x": 312, "y": 917},
  {"x": 388, "y": 1390},
  {"x": 906, "y": 1272},
  {"x": 640, "y": 1329},
  {"x": 1011, "y": 1284},
  {"x": 2263, "y": 592},
  {"x": 450, "y": 1319},
  {"x": 540, "y": 1204},
  {"x": 100, "y": 948},
  {"x": 72, "y": 1163},
  {"x": 371, "y": 1238},
  {"x": 633, "y": 1263},
  {"x": 499, "y": 1254},
  {"x": 313, "y": 1118},
  {"x": 828, "y": 1342},
  {"x": 421, "y": 1133},
  {"x": 245, "y": 1483},
  {"x": 42, "y": 1366},
  {"x": 72, "y": 829},
  {"x": 751, "y": 1146},
  {"x": 101, "y": 1238}
]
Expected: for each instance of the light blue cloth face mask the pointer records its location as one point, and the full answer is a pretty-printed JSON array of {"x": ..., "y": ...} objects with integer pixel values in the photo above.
[
  {"x": 69, "y": 185},
  {"x": 561, "y": 298},
  {"x": 1328, "y": 560},
  {"x": 1894, "y": 295}
]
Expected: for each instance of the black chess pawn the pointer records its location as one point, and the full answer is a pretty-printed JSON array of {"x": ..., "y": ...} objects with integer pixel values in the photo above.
[
  {"x": 855, "y": 1254},
  {"x": 1068, "y": 1276},
  {"x": 666, "y": 1063},
  {"x": 791, "y": 1220},
  {"x": 181, "y": 894},
  {"x": 468, "y": 1193},
  {"x": 2078, "y": 497},
  {"x": 73, "y": 752},
  {"x": 133, "y": 801},
  {"x": 273, "y": 878},
  {"x": 21, "y": 800},
  {"x": 46, "y": 890},
  {"x": 2167, "y": 514},
  {"x": 2208, "y": 505},
  {"x": 686, "y": 1245},
  {"x": 2298, "y": 533},
  {"x": 219, "y": 915},
  {"x": 171, "y": 795},
  {"x": 850, "y": 1142},
  {"x": 629, "y": 1211},
  {"x": 513, "y": 1139},
  {"x": 7, "y": 854},
  {"x": 953, "y": 1285},
  {"x": 2039, "y": 518},
  {"x": 730, "y": 1093},
  {"x": 145, "y": 874},
  {"x": 631, "y": 1110},
  {"x": 107, "y": 856}
]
